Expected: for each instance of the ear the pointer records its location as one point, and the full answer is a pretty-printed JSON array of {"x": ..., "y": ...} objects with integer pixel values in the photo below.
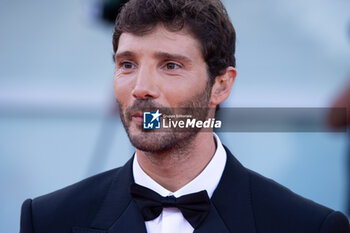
[{"x": 222, "y": 86}]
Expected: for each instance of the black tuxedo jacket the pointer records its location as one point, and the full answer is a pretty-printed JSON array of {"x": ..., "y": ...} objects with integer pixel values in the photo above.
[{"x": 243, "y": 202}]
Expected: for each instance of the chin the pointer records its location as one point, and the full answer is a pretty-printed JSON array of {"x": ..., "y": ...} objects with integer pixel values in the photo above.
[
  {"x": 158, "y": 142},
  {"x": 154, "y": 142}
]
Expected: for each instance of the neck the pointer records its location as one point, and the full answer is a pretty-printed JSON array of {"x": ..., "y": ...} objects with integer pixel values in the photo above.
[{"x": 173, "y": 169}]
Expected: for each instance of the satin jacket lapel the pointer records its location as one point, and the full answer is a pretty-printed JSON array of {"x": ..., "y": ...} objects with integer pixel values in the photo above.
[
  {"x": 131, "y": 221},
  {"x": 118, "y": 212},
  {"x": 213, "y": 223},
  {"x": 232, "y": 198}
]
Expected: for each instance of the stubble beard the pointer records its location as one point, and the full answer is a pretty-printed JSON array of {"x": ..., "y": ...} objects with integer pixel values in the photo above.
[{"x": 154, "y": 141}]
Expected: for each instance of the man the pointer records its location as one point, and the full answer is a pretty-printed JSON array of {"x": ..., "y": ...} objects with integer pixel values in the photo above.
[{"x": 176, "y": 55}]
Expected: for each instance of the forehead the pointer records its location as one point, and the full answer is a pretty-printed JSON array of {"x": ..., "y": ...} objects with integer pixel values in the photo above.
[{"x": 162, "y": 40}]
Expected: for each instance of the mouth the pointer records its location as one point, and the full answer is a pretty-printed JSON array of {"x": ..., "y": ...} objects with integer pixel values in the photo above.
[{"x": 137, "y": 117}]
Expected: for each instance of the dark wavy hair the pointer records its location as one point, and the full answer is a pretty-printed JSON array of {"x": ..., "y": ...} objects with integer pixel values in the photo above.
[{"x": 206, "y": 20}]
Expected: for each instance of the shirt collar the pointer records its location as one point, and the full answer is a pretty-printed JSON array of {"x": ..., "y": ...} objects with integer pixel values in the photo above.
[{"x": 207, "y": 180}]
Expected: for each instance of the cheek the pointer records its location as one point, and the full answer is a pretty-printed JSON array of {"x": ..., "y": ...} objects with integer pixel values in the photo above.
[
  {"x": 121, "y": 91},
  {"x": 184, "y": 89},
  {"x": 173, "y": 95}
]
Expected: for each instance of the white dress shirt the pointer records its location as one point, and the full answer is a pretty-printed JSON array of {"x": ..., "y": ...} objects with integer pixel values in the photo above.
[{"x": 171, "y": 220}]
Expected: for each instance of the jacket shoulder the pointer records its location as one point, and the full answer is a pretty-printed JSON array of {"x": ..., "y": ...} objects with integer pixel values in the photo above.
[
  {"x": 73, "y": 205},
  {"x": 277, "y": 207}
]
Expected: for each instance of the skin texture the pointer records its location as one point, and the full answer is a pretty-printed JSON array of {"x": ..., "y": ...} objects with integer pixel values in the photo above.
[{"x": 167, "y": 69}]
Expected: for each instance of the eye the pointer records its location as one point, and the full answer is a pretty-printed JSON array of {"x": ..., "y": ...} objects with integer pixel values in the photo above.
[
  {"x": 126, "y": 65},
  {"x": 172, "y": 66}
]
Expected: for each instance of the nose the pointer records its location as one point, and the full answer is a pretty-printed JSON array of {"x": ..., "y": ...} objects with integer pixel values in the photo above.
[{"x": 145, "y": 87}]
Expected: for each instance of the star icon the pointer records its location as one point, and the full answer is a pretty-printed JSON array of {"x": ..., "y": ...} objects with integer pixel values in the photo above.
[{"x": 155, "y": 115}]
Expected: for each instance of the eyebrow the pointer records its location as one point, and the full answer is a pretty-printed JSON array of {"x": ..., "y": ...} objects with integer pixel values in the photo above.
[
  {"x": 123, "y": 54},
  {"x": 162, "y": 55},
  {"x": 165, "y": 55}
]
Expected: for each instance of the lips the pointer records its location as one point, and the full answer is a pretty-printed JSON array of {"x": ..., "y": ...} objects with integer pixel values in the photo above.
[{"x": 137, "y": 116}]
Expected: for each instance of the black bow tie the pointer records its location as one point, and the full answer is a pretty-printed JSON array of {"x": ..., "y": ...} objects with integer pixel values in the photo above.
[{"x": 194, "y": 207}]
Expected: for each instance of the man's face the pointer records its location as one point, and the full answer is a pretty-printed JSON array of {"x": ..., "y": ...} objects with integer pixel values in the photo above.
[{"x": 161, "y": 69}]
